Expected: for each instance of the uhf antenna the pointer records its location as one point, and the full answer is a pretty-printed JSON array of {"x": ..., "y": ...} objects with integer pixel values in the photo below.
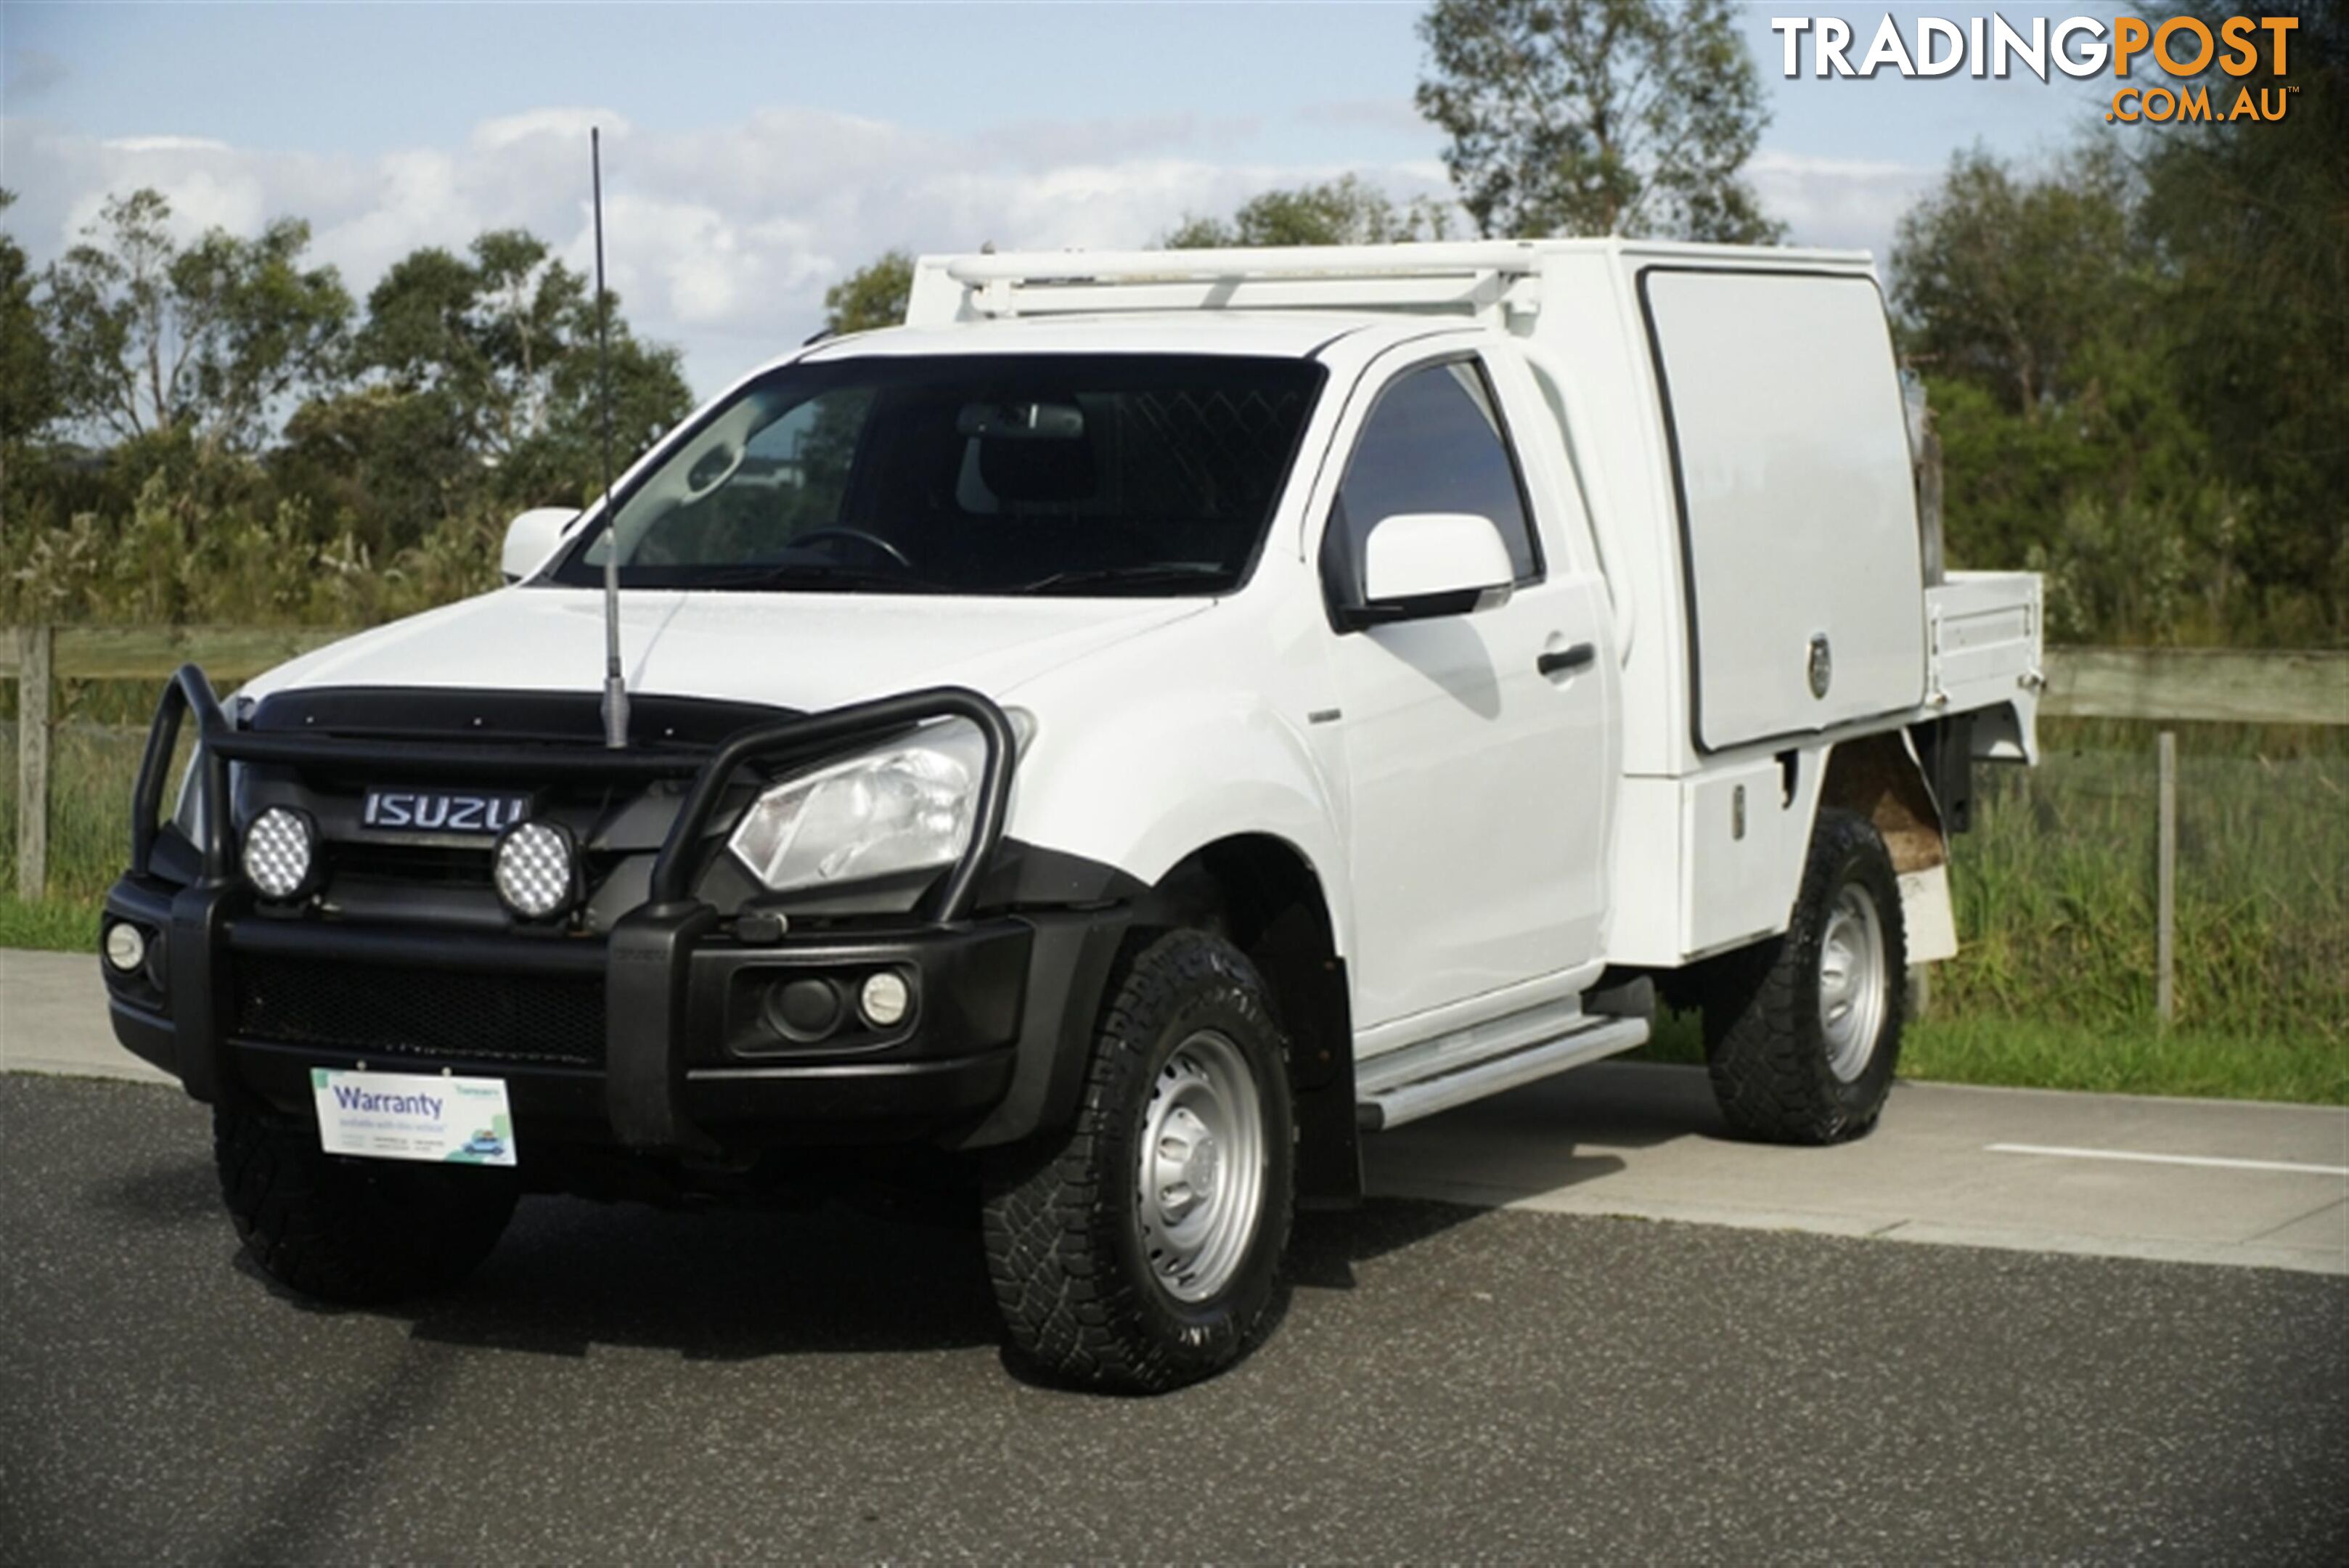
[{"x": 616, "y": 685}]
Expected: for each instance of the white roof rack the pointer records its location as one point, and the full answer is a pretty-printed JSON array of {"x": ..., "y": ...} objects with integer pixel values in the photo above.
[
  {"x": 1474, "y": 279},
  {"x": 1489, "y": 280}
]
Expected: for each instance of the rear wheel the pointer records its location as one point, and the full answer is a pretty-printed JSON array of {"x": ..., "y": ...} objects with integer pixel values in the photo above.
[
  {"x": 1802, "y": 1033},
  {"x": 353, "y": 1232},
  {"x": 1141, "y": 1249}
]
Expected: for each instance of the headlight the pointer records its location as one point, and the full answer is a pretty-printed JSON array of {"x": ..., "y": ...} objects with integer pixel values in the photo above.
[{"x": 906, "y": 806}]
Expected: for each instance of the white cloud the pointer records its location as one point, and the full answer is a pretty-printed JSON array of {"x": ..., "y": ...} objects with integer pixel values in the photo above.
[
  {"x": 164, "y": 144},
  {"x": 1838, "y": 202},
  {"x": 567, "y": 125},
  {"x": 721, "y": 239}
]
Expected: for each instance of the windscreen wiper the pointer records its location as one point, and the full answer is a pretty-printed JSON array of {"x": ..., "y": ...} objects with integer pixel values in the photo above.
[{"x": 1153, "y": 574}]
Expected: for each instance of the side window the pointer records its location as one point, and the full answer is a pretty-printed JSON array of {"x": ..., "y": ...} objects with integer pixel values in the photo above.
[{"x": 1433, "y": 443}]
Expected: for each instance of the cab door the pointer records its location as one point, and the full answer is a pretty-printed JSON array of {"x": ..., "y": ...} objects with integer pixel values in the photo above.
[{"x": 1478, "y": 745}]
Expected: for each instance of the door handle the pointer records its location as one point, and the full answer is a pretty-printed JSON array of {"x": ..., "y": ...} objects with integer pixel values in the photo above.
[{"x": 1565, "y": 660}]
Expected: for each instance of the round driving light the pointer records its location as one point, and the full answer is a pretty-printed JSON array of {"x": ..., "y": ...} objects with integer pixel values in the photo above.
[
  {"x": 277, "y": 852},
  {"x": 884, "y": 1000},
  {"x": 534, "y": 871},
  {"x": 126, "y": 948}
]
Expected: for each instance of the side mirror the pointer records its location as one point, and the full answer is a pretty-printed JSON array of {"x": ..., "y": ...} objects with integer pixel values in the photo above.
[
  {"x": 530, "y": 538},
  {"x": 1422, "y": 564}
]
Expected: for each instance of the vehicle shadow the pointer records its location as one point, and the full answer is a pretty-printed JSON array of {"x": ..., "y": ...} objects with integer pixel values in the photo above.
[
  {"x": 183, "y": 1190},
  {"x": 1326, "y": 1245},
  {"x": 740, "y": 1284},
  {"x": 1561, "y": 1132},
  {"x": 714, "y": 1283},
  {"x": 729, "y": 1284}
]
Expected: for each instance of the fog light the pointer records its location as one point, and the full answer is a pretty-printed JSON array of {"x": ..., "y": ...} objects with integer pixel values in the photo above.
[
  {"x": 277, "y": 852},
  {"x": 883, "y": 999},
  {"x": 126, "y": 947},
  {"x": 534, "y": 870},
  {"x": 804, "y": 1010}
]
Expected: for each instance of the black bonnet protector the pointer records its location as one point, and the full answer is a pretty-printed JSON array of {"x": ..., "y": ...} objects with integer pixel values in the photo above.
[
  {"x": 431, "y": 733},
  {"x": 544, "y": 749},
  {"x": 431, "y": 714}
]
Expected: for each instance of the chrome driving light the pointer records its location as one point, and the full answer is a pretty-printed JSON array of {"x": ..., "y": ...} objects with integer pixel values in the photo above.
[
  {"x": 883, "y": 999},
  {"x": 535, "y": 870},
  {"x": 126, "y": 946},
  {"x": 279, "y": 847},
  {"x": 906, "y": 806}
]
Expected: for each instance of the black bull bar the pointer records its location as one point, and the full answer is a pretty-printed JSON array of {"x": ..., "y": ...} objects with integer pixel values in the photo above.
[{"x": 646, "y": 950}]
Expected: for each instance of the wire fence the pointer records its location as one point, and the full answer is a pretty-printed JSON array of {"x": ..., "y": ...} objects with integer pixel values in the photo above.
[
  {"x": 2057, "y": 891},
  {"x": 2056, "y": 888}
]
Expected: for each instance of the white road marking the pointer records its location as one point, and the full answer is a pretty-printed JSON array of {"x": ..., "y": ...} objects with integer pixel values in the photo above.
[{"x": 2168, "y": 1158}]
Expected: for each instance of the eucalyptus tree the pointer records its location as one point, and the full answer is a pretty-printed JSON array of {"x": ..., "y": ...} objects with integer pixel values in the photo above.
[
  {"x": 1597, "y": 117},
  {"x": 205, "y": 341},
  {"x": 1347, "y": 211}
]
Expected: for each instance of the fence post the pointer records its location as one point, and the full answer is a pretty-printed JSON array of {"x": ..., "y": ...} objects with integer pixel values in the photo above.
[
  {"x": 2165, "y": 940},
  {"x": 34, "y": 644}
]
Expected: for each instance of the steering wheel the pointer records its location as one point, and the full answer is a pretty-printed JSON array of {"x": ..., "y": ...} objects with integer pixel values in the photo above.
[{"x": 873, "y": 540}]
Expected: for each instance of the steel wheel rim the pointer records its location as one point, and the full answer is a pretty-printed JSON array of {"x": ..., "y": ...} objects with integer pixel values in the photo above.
[
  {"x": 1852, "y": 987},
  {"x": 1200, "y": 1168}
]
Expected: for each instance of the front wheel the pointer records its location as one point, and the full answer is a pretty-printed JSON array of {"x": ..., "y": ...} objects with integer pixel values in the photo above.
[
  {"x": 1803, "y": 1032},
  {"x": 1141, "y": 1249}
]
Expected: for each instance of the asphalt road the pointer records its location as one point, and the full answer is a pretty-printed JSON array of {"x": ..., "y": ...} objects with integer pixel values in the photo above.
[{"x": 1450, "y": 1383}]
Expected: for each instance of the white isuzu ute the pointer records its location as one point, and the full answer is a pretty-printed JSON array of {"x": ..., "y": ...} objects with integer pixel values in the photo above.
[{"x": 1144, "y": 723}]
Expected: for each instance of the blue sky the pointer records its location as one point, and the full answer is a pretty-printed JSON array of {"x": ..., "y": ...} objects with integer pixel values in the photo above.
[{"x": 757, "y": 151}]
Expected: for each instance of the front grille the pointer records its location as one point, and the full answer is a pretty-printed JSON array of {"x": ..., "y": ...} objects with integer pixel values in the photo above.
[
  {"x": 421, "y": 1012},
  {"x": 431, "y": 865}
]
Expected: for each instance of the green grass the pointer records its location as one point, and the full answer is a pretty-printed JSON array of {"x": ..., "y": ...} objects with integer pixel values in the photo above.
[
  {"x": 92, "y": 768},
  {"x": 2056, "y": 896},
  {"x": 2029, "y": 1053},
  {"x": 2053, "y": 891},
  {"x": 57, "y": 925}
]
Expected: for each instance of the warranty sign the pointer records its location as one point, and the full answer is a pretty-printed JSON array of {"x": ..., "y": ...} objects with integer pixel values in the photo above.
[{"x": 410, "y": 1115}]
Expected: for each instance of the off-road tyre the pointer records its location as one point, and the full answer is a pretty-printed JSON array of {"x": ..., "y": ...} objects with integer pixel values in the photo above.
[
  {"x": 355, "y": 1232},
  {"x": 1769, "y": 1052},
  {"x": 1064, "y": 1230}
]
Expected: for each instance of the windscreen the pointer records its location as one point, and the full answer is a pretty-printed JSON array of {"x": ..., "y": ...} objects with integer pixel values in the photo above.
[{"x": 1029, "y": 473}]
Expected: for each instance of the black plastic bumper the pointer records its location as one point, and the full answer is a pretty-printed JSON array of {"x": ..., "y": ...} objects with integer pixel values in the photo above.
[
  {"x": 663, "y": 1035},
  {"x": 690, "y": 1061}
]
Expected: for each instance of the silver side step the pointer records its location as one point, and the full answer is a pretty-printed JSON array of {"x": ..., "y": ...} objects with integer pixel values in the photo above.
[{"x": 1451, "y": 1070}]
